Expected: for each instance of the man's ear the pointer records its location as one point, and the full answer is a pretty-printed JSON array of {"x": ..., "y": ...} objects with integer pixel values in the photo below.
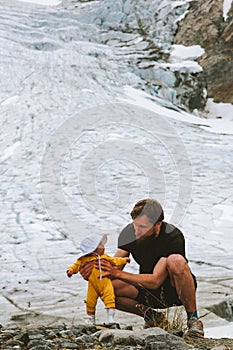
[{"x": 157, "y": 227}]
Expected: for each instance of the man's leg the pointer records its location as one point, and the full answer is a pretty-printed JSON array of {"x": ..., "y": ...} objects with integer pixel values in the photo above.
[
  {"x": 123, "y": 290},
  {"x": 182, "y": 279},
  {"x": 123, "y": 301},
  {"x": 131, "y": 304},
  {"x": 141, "y": 308}
]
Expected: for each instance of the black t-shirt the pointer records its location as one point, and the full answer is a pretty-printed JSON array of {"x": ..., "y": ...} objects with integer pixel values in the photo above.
[{"x": 148, "y": 251}]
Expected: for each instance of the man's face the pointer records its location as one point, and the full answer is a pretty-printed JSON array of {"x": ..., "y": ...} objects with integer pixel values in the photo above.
[{"x": 143, "y": 227}]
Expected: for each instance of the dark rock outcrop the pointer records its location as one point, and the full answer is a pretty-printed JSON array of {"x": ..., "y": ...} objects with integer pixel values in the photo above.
[{"x": 205, "y": 25}]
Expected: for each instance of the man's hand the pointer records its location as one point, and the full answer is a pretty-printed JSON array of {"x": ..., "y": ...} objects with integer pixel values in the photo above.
[
  {"x": 109, "y": 270},
  {"x": 69, "y": 273},
  {"x": 85, "y": 270}
]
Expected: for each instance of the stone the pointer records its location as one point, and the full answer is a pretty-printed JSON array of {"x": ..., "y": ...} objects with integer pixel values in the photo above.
[
  {"x": 138, "y": 339},
  {"x": 40, "y": 347},
  {"x": 36, "y": 342},
  {"x": 85, "y": 339},
  {"x": 13, "y": 342},
  {"x": 69, "y": 345},
  {"x": 79, "y": 330},
  {"x": 149, "y": 338},
  {"x": 23, "y": 337},
  {"x": 120, "y": 337},
  {"x": 66, "y": 334},
  {"x": 204, "y": 25},
  {"x": 223, "y": 309}
]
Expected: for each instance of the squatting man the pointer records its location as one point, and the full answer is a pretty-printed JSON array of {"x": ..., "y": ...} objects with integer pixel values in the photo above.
[{"x": 164, "y": 278}]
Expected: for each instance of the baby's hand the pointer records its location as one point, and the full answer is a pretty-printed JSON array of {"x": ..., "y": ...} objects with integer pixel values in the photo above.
[{"x": 69, "y": 273}]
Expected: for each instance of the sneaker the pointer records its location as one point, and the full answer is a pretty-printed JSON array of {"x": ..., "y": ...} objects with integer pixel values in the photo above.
[
  {"x": 195, "y": 328},
  {"x": 155, "y": 318}
]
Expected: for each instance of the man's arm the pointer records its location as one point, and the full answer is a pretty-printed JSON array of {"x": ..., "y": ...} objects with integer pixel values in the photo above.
[
  {"x": 120, "y": 253},
  {"x": 151, "y": 281}
]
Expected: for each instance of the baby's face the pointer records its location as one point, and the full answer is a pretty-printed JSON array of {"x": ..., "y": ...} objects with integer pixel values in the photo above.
[{"x": 100, "y": 249}]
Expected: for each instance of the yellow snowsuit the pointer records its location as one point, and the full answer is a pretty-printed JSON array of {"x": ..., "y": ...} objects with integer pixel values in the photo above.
[{"x": 98, "y": 287}]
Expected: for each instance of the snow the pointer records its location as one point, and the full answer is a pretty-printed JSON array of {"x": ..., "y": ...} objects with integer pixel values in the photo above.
[
  {"x": 219, "y": 332},
  {"x": 10, "y": 100},
  {"x": 212, "y": 124},
  {"x": 43, "y": 2},
  {"x": 182, "y": 58},
  {"x": 9, "y": 151},
  {"x": 226, "y": 8},
  {"x": 219, "y": 109},
  {"x": 189, "y": 67},
  {"x": 226, "y": 216},
  {"x": 186, "y": 52}
]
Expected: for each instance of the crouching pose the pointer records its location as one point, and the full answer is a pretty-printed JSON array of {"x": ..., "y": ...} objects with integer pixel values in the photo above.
[{"x": 164, "y": 278}]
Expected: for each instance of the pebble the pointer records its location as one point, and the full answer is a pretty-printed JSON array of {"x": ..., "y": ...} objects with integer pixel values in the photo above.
[{"x": 61, "y": 337}]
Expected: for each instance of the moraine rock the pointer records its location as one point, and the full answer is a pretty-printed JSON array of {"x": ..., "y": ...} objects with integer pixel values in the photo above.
[{"x": 83, "y": 337}]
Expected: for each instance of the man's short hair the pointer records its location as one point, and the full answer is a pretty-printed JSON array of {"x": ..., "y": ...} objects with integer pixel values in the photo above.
[{"x": 149, "y": 207}]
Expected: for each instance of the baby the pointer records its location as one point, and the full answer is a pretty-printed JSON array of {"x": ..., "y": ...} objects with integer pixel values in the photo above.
[{"x": 92, "y": 248}]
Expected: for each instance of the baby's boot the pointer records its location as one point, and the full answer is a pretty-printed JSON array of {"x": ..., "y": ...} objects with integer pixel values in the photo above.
[
  {"x": 111, "y": 314},
  {"x": 90, "y": 320}
]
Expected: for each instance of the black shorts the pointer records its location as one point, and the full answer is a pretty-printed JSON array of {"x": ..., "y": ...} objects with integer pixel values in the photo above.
[{"x": 162, "y": 297}]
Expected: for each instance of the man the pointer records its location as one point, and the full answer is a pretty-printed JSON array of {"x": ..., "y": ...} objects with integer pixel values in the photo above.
[{"x": 164, "y": 277}]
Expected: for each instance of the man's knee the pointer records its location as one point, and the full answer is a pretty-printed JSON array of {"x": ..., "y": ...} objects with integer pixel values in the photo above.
[
  {"x": 119, "y": 287},
  {"x": 123, "y": 289},
  {"x": 117, "y": 284},
  {"x": 176, "y": 264}
]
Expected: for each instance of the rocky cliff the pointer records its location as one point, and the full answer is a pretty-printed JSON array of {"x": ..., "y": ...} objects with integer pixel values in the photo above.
[{"x": 206, "y": 26}]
